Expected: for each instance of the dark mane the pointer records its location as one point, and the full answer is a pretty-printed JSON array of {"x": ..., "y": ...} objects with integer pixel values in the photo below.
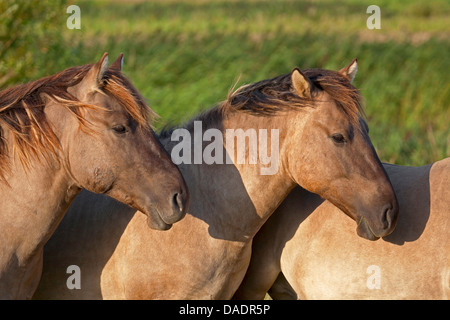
[
  {"x": 208, "y": 117},
  {"x": 268, "y": 97},
  {"x": 22, "y": 111}
]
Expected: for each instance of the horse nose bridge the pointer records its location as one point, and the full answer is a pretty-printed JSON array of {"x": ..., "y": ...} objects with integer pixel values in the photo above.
[
  {"x": 373, "y": 171},
  {"x": 380, "y": 188}
]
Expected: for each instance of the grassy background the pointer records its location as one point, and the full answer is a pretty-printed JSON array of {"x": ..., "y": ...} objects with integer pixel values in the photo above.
[{"x": 184, "y": 56}]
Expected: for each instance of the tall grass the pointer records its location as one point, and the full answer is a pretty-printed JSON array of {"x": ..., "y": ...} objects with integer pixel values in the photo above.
[{"x": 184, "y": 56}]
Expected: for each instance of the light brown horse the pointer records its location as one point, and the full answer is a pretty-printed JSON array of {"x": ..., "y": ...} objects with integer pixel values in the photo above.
[
  {"x": 313, "y": 245},
  {"x": 321, "y": 144},
  {"x": 85, "y": 127}
]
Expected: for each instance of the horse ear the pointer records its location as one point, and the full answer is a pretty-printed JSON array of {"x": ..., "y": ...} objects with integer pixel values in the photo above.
[
  {"x": 350, "y": 70},
  {"x": 95, "y": 75},
  {"x": 93, "y": 80},
  {"x": 118, "y": 64},
  {"x": 301, "y": 83}
]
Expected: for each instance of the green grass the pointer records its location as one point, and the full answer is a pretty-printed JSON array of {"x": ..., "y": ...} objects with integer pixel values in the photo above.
[{"x": 184, "y": 56}]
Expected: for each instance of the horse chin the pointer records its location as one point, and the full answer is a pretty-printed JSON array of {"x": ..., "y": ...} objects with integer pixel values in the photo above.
[
  {"x": 363, "y": 230},
  {"x": 155, "y": 220},
  {"x": 157, "y": 223}
]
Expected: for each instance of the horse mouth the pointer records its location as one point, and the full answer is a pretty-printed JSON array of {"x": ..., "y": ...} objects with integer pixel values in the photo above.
[
  {"x": 160, "y": 224},
  {"x": 364, "y": 231},
  {"x": 155, "y": 219}
]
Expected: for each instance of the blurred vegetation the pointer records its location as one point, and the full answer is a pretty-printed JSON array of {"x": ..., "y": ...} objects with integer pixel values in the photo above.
[
  {"x": 28, "y": 30},
  {"x": 184, "y": 55}
]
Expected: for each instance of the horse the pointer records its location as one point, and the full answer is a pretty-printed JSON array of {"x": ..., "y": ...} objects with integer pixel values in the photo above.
[
  {"x": 309, "y": 251},
  {"x": 84, "y": 127},
  {"x": 317, "y": 140}
]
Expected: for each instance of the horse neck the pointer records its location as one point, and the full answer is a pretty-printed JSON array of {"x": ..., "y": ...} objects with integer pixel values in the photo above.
[
  {"x": 234, "y": 199},
  {"x": 33, "y": 203}
]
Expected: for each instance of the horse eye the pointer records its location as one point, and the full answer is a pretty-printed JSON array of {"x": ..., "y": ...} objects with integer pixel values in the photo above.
[
  {"x": 119, "y": 128},
  {"x": 338, "y": 138}
]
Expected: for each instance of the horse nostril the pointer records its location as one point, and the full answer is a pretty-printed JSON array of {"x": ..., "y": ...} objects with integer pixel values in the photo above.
[
  {"x": 178, "y": 202},
  {"x": 388, "y": 216}
]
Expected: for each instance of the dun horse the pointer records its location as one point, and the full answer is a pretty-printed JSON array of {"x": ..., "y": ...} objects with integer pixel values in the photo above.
[
  {"x": 320, "y": 257},
  {"x": 85, "y": 127},
  {"x": 323, "y": 146}
]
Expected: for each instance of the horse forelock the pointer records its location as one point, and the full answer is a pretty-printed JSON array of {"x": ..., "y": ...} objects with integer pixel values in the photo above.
[
  {"x": 339, "y": 88},
  {"x": 22, "y": 112},
  {"x": 129, "y": 97}
]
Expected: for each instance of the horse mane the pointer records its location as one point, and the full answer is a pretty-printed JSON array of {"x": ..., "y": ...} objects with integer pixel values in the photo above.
[
  {"x": 22, "y": 111},
  {"x": 271, "y": 96}
]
